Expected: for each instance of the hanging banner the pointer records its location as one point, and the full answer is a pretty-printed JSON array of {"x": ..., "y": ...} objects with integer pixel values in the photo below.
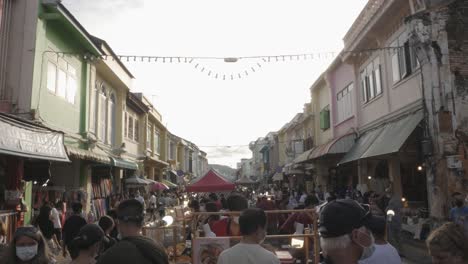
[{"x": 31, "y": 141}]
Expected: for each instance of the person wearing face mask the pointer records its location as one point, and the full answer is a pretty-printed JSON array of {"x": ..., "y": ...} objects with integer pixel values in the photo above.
[
  {"x": 252, "y": 224},
  {"x": 85, "y": 246},
  {"x": 28, "y": 247},
  {"x": 344, "y": 235}
]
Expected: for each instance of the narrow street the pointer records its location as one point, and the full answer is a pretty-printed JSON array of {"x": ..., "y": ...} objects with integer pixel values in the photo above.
[{"x": 228, "y": 132}]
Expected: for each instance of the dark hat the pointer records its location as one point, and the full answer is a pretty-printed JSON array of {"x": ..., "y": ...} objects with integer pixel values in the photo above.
[
  {"x": 340, "y": 217},
  {"x": 90, "y": 234}
]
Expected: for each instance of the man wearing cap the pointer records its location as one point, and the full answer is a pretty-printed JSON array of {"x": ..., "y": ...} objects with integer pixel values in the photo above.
[
  {"x": 344, "y": 236},
  {"x": 133, "y": 248}
]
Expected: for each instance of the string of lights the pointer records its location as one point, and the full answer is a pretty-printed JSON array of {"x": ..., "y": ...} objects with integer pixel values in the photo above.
[{"x": 253, "y": 64}]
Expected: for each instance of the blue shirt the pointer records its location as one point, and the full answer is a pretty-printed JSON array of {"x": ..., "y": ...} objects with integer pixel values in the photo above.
[{"x": 457, "y": 214}]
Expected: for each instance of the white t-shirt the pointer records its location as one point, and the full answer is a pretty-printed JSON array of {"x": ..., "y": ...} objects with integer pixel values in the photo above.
[
  {"x": 247, "y": 254},
  {"x": 152, "y": 201},
  {"x": 383, "y": 254},
  {"x": 55, "y": 218}
]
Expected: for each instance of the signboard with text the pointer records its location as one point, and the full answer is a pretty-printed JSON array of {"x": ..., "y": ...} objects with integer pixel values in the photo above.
[{"x": 30, "y": 141}]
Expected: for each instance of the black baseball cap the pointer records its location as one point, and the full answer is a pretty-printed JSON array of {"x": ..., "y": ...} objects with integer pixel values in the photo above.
[
  {"x": 340, "y": 217},
  {"x": 90, "y": 234}
]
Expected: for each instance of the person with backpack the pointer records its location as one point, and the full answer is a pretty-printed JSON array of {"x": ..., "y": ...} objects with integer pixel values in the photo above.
[{"x": 133, "y": 247}]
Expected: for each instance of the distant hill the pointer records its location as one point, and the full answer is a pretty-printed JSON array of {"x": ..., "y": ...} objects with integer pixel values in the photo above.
[{"x": 224, "y": 170}]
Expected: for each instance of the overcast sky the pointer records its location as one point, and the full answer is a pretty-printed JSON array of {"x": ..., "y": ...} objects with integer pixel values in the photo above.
[{"x": 222, "y": 117}]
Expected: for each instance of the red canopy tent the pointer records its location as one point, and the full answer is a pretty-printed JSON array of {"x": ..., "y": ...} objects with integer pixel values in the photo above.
[{"x": 211, "y": 182}]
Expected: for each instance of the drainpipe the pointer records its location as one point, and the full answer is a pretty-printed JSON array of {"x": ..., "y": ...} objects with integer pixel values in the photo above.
[{"x": 4, "y": 51}]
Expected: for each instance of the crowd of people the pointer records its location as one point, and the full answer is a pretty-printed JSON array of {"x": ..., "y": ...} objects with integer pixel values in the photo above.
[{"x": 353, "y": 228}]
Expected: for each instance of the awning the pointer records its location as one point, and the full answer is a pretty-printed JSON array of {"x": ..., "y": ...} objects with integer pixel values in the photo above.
[
  {"x": 384, "y": 140},
  {"x": 303, "y": 157},
  {"x": 125, "y": 164},
  {"x": 169, "y": 184},
  {"x": 136, "y": 181},
  {"x": 156, "y": 161},
  {"x": 174, "y": 173},
  {"x": 245, "y": 180},
  {"x": 338, "y": 145},
  {"x": 26, "y": 139},
  {"x": 87, "y": 155},
  {"x": 278, "y": 176}
]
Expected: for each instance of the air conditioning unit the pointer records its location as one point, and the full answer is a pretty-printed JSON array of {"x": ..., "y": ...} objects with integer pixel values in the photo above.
[{"x": 454, "y": 162}]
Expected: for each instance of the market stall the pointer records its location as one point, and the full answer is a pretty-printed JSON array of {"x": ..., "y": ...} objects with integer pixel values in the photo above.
[
  {"x": 284, "y": 246},
  {"x": 211, "y": 182}
]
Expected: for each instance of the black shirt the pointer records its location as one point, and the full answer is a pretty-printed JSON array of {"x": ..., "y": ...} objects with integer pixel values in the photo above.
[{"x": 71, "y": 228}]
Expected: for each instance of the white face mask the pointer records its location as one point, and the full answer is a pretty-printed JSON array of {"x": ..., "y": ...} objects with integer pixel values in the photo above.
[
  {"x": 236, "y": 219},
  {"x": 26, "y": 253}
]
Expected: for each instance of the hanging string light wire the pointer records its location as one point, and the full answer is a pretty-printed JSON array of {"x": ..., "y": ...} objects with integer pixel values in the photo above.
[{"x": 204, "y": 64}]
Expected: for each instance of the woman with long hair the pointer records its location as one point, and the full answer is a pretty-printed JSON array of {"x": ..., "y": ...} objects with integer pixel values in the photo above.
[
  {"x": 46, "y": 226},
  {"x": 27, "y": 247}
]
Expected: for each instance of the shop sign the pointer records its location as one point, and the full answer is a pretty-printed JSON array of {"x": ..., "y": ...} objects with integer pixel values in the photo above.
[{"x": 33, "y": 142}]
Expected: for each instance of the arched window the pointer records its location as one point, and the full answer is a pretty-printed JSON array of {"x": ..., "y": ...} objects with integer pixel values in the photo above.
[
  {"x": 102, "y": 121},
  {"x": 112, "y": 118}
]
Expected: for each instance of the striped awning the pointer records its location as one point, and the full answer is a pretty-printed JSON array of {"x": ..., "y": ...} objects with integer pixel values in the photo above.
[{"x": 87, "y": 155}]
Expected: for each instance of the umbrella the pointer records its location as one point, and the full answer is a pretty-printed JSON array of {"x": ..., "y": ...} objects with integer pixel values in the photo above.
[
  {"x": 136, "y": 181},
  {"x": 158, "y": 186}
]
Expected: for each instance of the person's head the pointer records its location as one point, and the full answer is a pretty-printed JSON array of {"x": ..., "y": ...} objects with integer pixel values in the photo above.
[
  {"x": 311, "y": 201},
  {"x": 130, "y": 217},
  {"x": 377, "y": 225},
  {"x": 44, "y": 211},
  {"x": 112, "y": 213},
  {"x": 252, "y": 224},
  {"x": 343, "y": 232},
  {"x": 27, "y": 246},
  {"x": 448, "y": 244},
  {"x": 459, "y": 202},
  {"x": 211, "y": 207},
  {"x": 213, "y": 196},
  {"x": 236, "y": 202},
  {"x": 88, "y": 242},
  {"x": 194, "y": 205},
  {"x": 77, "y": 208},
  {"x": 106, "y": 223}
]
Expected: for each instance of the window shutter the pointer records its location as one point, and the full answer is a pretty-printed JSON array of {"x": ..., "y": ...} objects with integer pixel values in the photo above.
[
  {"x": 378, "y": 80},
  {"x": 125, "y": 125},
  {"x": 395, "y": 67},
  {"x": 363, "y": 87},
  {"x": 136, "y": 135}
]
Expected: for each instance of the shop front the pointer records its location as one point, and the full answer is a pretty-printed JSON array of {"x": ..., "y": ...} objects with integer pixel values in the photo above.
[
  {"x": 320, "y": 164},
  {"x": 155, "y": 168},
  {"x": 389, "y": 158},
  {"x": 23, "y": 145}
]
